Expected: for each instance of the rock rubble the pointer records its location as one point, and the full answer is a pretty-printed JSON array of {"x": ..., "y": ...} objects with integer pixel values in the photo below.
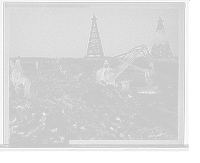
[{"x": 74, "y": 108}]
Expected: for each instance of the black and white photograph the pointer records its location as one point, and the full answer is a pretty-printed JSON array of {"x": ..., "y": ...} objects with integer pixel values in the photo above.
[{"x": 94, "y": 75}]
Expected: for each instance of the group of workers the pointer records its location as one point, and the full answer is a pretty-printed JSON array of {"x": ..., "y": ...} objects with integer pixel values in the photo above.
[{"x": 18, "y": 77}]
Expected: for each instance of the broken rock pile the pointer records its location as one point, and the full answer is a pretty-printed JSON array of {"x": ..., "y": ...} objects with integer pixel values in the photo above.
[{"x": 73, "y": 109}]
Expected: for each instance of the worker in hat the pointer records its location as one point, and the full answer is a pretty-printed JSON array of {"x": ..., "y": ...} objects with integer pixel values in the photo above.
[
  {"x": 106, "y": 63},
  {"x": 25, "y": 80},
  {"x": 62, "y": 72},
  {"x": 36, "y": 70},
  {"x": 11, "y": 77},
  {"x": 20, "y": 78},
  {"x": 17, "y": 71},
  {"x": 56, "y": 63},
  {"x": 12, "y": 65},
  {"x": 18, "y": 65}
]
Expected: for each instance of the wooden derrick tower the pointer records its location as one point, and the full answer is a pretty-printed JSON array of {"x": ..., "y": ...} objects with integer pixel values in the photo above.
[
  {"x": 161, "y": 46},
  {"x": 95, "y": 49}
]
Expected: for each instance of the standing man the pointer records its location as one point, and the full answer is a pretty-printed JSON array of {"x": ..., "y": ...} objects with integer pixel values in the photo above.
[
  {"x": 25, "y": 80},
  {"x": 18, "y": 69},
  {"x": 20, "y": 78},
  {"x": 18, "y": 65},
  {"x": 12, "y": 76},
  {"x": 12, "y": 65},
  {"x": 106, "y": 63},
  {"x": 62, "y": 72},
  {"x": 37, "y": 64},
  {"x": 36, "y": 70},
  {"x": 56, "y": 63}
]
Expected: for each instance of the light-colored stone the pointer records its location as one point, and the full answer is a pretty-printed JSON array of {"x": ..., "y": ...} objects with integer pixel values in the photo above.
[
  {"x": 49, "y": 134},
  {"x": 61, "y": 107},
  {"x": 57, "y": 138},
  {"x": 118, "y": 88},
  {"x": 53, "y": 120},
  {"x": 131, "y": 92},
  {"x": 69, "y": 106},
  {"x": 144, "y": 136},
  {"x": 26, "y": 121},
  {"x": 38, "y": 116},
  {"x": 65, "y": 98},
  {"x": 12, "y": 114},
  {"x": 123, "y": 89},
  {"x": 26, "y": 111},
  {"x": 112, "y": 107},
  {"x": 20, "y": 116},
  {"x": 47, "y": 142},
  {"x": 67, "y": 112},
  {"x": 52, "y": 107}
]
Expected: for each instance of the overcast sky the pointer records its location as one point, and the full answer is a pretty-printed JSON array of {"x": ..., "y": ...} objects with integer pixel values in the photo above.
[{"x": 62, "y": 30}]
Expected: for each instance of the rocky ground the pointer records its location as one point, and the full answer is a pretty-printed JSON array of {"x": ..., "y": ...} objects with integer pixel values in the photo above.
[{"x": 75, "y": 108}]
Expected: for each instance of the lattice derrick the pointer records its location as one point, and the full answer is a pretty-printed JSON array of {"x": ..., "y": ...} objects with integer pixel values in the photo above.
[
  {"x": 161, "y": 50},
  {"x": 94, "y": 46}
]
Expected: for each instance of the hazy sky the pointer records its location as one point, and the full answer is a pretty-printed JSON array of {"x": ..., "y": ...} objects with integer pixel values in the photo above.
[{"x": 62, "y": 30}]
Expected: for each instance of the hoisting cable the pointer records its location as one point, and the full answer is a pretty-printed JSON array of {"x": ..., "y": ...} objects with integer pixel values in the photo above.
[
  {"x": 118, "y": 55},
  {"x": 124, "y": 54},
  {"x": 118, "y": 61},
  {"x": 115, "y": 63}
]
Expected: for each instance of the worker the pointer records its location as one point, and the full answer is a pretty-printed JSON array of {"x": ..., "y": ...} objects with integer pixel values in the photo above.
[
  {"x": 56, "y": 63},
  {"x": 18, "y": 65},
  {"x": 12, "y": 77},
  {"x": 106, "y": 63},
  {"x": 109, "y": 72},
  {"x": 37, "y": 65},
  {"x": 20, "y": 78},
  {"x": 37, "y": 71},
  {"x": 62, "y": 71},
  {"x": 18, "y": 70},
  {"x": 148, "y": 80},
  {"x": 25, "y": 80},
  {"x": 12, "y": 65},
  {"x": 149, "y": 59}
]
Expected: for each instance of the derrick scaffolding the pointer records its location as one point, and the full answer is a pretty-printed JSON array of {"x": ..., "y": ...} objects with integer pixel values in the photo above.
[{"x": 95, "y": 49}]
